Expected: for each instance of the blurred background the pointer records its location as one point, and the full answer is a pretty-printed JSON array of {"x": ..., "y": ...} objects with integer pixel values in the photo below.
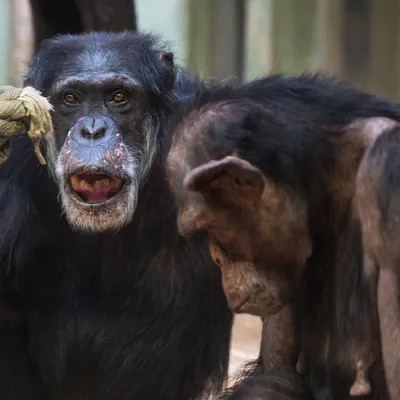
[{"x": 357, "y": 40}]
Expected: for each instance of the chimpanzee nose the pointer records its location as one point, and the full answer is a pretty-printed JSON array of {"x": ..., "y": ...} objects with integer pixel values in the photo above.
[{"x": 93, "y": 128}]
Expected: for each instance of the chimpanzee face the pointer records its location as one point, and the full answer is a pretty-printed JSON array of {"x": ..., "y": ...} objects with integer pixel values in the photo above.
[
  {"x": 104, "y": 148},
  {"x": 107, "y": 111},
  {"x": 258, "y": 228}
]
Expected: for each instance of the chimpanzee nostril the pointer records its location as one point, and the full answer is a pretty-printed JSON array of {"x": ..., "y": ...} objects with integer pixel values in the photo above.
[
  {"x": 92, "y": 133},
  {"x": 93, "y": 128}
]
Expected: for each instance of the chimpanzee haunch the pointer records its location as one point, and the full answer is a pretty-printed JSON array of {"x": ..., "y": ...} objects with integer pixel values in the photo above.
[
  {"x": 268, "y": 169},
  {"x": 378, "y": 202},
  {"x": 114, "y": 303}
]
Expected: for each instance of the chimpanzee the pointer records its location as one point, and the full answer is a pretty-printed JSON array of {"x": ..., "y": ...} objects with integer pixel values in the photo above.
[
  {"x": 110, "y": 302},
  {"x": 378, "y": 205},
  {"x": 269, "y": 170}
]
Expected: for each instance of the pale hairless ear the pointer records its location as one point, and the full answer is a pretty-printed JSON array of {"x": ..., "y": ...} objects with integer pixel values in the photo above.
[{"x": 229, "y": 174}]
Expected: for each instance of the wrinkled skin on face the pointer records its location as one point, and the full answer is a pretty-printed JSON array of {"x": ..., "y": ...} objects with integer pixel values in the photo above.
[
  {"x": 258, "y": 230},
  {"x": 254, "y": 230},
  {"x": 98, "y": 175},
  {"x": 258, "y": 233},
  {"x": 246, "y": 290},
  {"x": 107, "y": 114}
]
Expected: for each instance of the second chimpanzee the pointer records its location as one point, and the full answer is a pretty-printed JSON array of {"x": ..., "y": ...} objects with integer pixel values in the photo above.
[
  {"x": 269, "y": 170},
  {"x": 113, "y": 303}
]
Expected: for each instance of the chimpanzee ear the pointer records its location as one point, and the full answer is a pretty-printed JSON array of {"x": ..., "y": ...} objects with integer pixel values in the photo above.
[
  {"x": 167, "y": 58},
  {"x": 231, "y": 175}
]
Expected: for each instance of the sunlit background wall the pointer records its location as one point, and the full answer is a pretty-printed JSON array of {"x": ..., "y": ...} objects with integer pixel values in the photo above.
[{"x": 358, "y": 40}]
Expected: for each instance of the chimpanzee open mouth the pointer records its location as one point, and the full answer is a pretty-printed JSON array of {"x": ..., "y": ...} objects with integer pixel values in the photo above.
[{"x": 95, "y": 187}]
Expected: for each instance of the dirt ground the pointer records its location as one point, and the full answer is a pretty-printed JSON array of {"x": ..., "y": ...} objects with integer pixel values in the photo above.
[{"x": 245, "y": 344}]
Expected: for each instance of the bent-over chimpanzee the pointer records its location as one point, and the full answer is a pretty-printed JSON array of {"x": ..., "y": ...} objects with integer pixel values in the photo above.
[
  {"x": 113, "y": 302},
  {"x": 269, "y": 169}
]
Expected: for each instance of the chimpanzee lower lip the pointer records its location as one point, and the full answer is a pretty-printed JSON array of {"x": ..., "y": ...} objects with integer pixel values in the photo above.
[{"x": 95, "y": 187}]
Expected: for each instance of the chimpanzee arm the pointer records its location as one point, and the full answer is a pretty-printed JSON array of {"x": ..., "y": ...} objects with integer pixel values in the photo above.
[
  {"x": 17, "y": 175},
  {"x": 280, "y": 343}
]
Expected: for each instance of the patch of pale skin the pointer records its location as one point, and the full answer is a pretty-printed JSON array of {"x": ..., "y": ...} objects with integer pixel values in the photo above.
[
  {"x": 373, "y": 127},
  {"x": 361, "y": 386}
]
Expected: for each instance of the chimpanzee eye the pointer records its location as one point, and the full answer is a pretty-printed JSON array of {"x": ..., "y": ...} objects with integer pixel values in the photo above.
[
  {"x": 119, "y": 97},
  {"x": 70, "y": 98}
]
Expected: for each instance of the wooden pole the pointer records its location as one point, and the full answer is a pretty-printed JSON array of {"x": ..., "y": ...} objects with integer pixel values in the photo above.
[
  {"x": 5, "y": 42},
  {"x": 258, "y": 40},
  {"x": 23, "y": 40}
]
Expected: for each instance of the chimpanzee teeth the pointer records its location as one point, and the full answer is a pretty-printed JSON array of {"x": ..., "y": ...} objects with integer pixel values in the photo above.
[
  {"x": 85, "y": 185},
  {"x": 74, "y": 180},
  {"x": 80, "y": 184},
  {"x": 101, "y": 184}
]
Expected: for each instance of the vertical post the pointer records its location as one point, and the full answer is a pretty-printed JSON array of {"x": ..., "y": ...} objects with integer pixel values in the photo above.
[
  {"x": 227, "y": 41},
  {"x": 23, "y": 40},
  {"x": 5, "y": 39},
  {"x": 258, "y": 38},
  {"x": 384, "y": 75},
  {"x": 166, "y": 18},
  {"x": 294, "y": 35},
  {"x": 215, "y": 36},
  {"x": 356, "y": 43},
  {"x": 200, "y": 34},
  {"x": 329, "y": 55}
]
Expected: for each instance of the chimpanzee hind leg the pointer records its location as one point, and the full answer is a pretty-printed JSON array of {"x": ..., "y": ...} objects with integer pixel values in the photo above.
[{"x": 378, "y": 203}]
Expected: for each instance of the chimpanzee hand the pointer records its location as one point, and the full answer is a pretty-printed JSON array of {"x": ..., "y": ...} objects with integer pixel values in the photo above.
[{"x": 23, "y": 110}]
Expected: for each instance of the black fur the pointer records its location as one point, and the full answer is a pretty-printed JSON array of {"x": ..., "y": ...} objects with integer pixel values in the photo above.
[
  {"x": 288, "y": 127},
  {"x": 289, "y": 108},
  {"x": 280, "y": 384},
  {"x": 138, "y": 314}
]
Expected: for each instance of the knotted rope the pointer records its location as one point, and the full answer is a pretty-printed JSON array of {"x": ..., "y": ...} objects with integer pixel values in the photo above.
[{"x": 23, "y": 110}]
